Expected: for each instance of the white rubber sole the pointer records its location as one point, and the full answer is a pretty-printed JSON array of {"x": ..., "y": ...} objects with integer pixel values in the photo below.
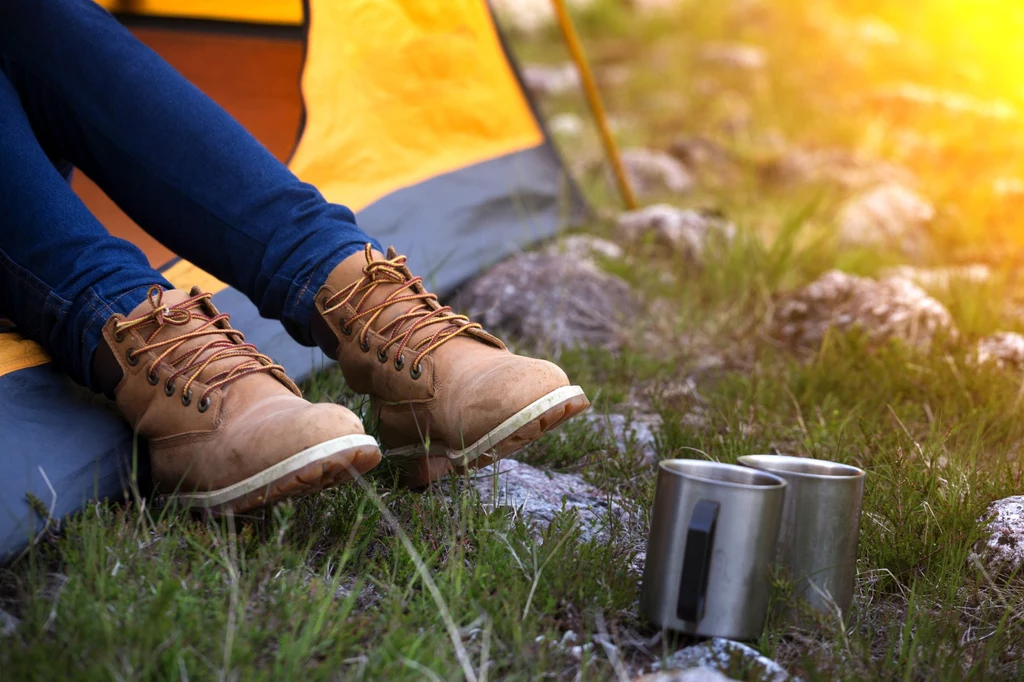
[
  {"x": 495, "y": 436},
  {"x": 267, "y": 478}
]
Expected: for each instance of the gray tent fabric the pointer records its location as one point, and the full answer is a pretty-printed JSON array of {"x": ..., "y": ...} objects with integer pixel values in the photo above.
[{"x": 59, "y": 445}]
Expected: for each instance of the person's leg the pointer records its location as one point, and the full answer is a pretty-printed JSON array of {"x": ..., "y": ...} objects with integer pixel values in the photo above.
[
  {"x": 197, "y": 181},
  {"x": 176, "y": 162},
  {"x": 62, "y": 275}
]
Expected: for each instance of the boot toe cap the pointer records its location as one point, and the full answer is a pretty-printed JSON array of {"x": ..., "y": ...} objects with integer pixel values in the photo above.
[{"x": 501, "y": 392}]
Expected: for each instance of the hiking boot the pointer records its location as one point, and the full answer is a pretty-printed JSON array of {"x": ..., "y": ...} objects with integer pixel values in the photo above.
[
  {"x": 447, "y": 394},
  {"x": 227, "y": 429}
]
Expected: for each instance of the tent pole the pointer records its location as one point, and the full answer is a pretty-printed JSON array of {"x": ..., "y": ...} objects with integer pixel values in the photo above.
[{"x": 594, "y": 100}]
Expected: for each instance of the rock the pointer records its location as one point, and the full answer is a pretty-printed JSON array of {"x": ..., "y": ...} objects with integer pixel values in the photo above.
[
  {"x": 8, "y": 624},
  {"x": 539, "y": 495},
  {"x": 953, "y": 102},
  {"x": 529, "y": 16},
  {"x": 736, "y": 55},
  {"x": 875, "y": 31},
  {"x": 548, "y": 81},
  {"x": 836, "y": 166},
  {"x": 636, "y": 433},
  {"x": 683, "y": 230},
  {"x": 654, "y": 172},
  {"x": 704, "y": 157},
  {"x": 689, "y": 675},
  {"x": 1002, "y": 552},
  {"x": 1005, "y": 349},
  {"x": 552, "y": 302},
  {"x": 725, "y": 654},
  {"x": 889, "y": 216},
  {"x": 941, "y": 278},
  {"x": 1008, "y": 186},
  {"x": 652, "y": 6},
  {"x": 569, "y": 125},
  {"x": 884, "y": 309},
  {"x": 585, "y": 247}
]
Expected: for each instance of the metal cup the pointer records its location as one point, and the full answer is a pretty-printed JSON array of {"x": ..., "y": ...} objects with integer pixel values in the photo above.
[
  {"x": 820, "y": 526},
  {"x": 712, "y": 540}
]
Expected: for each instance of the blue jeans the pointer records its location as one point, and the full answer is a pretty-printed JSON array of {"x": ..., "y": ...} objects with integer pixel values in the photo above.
[{"x": 77, "y": 89}]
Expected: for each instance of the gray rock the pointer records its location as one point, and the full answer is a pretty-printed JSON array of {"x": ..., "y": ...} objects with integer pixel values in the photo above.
[
  {"x": 551, "y": 302},
  {"x": 8, "y": 624},
  {"x": 736, "y": 55},
  {"x": 653, "y": 6},
  {"x": 529, "y": 16},
  {"x": 547, "y": 81},
  {"x": 704, "y": 157},
  {"x": 885, "y": 309},
  {"x": 1008, "y": 187},
  {"x": 655, "y": 172},
  {"x": 539, "y": 495},
  {"x": 888, "y": 216},
  {"x": 1005, "y": 349},
  {"x": 689, "y": 675},
  {"x": 941, "y": 279},
  {"x": 567, "y": 124},
  {"x": 636, "y": 433},
  {"x": 719, "y": 654},
  {"x": 836, "y": 166},
  {"x": 1002, "y": 552},
  {"x": 683, "y": 230},
  {"x": 950, "y": 100},
  {"x": 585, "y": 247}
]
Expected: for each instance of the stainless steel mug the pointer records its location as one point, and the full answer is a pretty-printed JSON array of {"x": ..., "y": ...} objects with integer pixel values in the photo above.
[
  {"x": 820, "y": 526},
  {"x": 711, "y": 544}
]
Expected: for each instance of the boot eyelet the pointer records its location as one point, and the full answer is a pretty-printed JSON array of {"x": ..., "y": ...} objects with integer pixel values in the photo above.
[
  {"x": 345, "y": 329},
  {"x": 130, "y": 356},
  {"x": 365, "y": 346},
  {"x": 118, "y": 336},
  {"x": 153, "y": 378},
  {"x": 400, "y": 362},
  {"x": 186, "y": 398},
  {"x": 204, "y": 403},
  {"x": 168, "y": 389},
  {"x": 382, "y": 355},
  {"x": 415, "y": 371}
]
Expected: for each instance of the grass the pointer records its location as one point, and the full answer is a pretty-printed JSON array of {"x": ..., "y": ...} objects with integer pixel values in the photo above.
[{"x": 334, "y": 587}]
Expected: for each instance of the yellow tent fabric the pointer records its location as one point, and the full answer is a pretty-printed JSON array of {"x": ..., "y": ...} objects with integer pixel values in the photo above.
[
  {"x": 426, "y": 89},
  {"x": 284, "y": 12}
]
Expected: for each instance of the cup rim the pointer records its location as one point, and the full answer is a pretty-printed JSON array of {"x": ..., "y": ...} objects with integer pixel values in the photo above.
[
  {"x": 850, "y": 472},
  {"x": 772, "y": 481}
]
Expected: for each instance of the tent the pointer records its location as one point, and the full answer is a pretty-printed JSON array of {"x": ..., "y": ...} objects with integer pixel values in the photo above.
[{"x": 412, "y": 113}]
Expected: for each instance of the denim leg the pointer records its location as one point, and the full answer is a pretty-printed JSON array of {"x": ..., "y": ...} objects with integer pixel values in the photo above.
[
  {"x": 62, "y": 275},
  {"x": 172, "y": 159}
]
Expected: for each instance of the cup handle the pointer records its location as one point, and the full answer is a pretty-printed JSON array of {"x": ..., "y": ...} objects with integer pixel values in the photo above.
[{"x": 693, "y": 580}]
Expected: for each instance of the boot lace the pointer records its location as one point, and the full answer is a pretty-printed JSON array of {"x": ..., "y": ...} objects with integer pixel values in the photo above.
[
  {"x": 401, "y": 329},
  {"x": 224, "y": 342}
]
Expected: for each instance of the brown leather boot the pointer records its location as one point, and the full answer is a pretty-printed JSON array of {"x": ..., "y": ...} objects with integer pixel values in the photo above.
[
  {"x": 227, "y": 429},
  {"x": 447, "y": 394}
]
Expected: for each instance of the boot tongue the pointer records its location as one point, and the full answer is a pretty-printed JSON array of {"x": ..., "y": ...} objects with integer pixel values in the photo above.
[
  {"x": 182, "y": 318},
  {"x": 389, "y": 280}
]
